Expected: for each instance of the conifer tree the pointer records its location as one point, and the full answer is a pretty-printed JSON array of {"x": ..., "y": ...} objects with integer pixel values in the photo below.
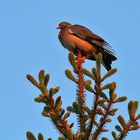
[{"x": 92, "y": 121}]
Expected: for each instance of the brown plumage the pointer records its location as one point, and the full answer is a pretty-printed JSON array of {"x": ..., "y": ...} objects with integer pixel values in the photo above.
[{"x": 79, "y": 38}]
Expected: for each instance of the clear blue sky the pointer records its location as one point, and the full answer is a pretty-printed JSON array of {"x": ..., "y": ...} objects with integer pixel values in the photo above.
[{"x": 28, "y": 43}]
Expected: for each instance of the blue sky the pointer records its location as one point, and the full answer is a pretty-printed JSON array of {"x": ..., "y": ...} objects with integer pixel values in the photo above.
[{"x": 29, "y": 42}]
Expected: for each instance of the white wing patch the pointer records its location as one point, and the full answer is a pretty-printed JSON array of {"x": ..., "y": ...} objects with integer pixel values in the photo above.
[{"x": 70, "y": 31}]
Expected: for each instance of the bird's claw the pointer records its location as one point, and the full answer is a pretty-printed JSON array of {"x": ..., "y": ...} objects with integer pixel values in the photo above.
[{"x": 83, "y": 58}]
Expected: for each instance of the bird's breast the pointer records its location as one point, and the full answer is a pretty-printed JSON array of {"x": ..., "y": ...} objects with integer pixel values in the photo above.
[{"x": 70, "y": 42}]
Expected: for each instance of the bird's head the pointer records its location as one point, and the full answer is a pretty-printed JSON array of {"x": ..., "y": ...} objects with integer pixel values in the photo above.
[{"x": 63, "y": 25}]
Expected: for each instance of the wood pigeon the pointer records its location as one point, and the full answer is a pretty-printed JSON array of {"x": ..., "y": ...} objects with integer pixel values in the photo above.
[{"x": 79, "y": 38}]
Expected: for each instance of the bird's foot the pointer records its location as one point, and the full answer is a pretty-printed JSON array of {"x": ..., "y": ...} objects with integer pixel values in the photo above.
[{"x": 83, "y": 58}]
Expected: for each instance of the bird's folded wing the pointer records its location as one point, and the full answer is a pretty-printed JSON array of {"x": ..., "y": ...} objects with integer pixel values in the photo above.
[{"x": 85, "y": 34}]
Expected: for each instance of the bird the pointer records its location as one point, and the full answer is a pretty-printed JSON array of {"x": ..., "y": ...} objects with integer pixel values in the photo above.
[{"x": 77, "y": 38}]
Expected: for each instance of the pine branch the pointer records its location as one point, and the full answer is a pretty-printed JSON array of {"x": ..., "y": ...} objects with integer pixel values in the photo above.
[
  {"x": 103, "y": 121},
  {"x": 80, "y": 91},
  {"x": 102, "y": 104},
  {"x": 125, "y": 131},
  {"x": 98, "y": 91},
  {"x": 107, "y": 108},
  {"x": 52, "y": 107},
  {"x": 63, "y": 126},
  {"x": 132, "y": 123},
  {"x": 92, "y": 117}
]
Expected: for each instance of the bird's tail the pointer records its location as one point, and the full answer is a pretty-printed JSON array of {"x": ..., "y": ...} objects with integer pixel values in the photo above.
[
  {"x": 106, "y": 65},
  {"x": 107, "y": 60}
]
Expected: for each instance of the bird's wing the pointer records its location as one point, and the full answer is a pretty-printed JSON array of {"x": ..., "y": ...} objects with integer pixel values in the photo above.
[{"x": 85, "y": 34}]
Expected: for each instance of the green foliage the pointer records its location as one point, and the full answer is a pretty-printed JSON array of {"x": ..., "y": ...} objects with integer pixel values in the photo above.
[
  {"x": 80, "y": 136},
  {"x": 40, "y": 136},
  {"x": 72, "y": 61},
  {"x": 88, "y": 73},
  {"x": 120, "y": 99},
  {"x": 109, "y": 73},
  {"x": 70, "y": 76},
  {"x": 126, "y": 126},
  {"x": 88, "y": 86},
  {"x": 61, "y": 138},
  {"x": 32, "y": 80},
  {"x": 30, "y": 136},
  {"x": 132, "y": 108},
  {"x": 104, "y": 138},
  {"x": 75, "y": 108},
  {"x": 98, "y": 116}
]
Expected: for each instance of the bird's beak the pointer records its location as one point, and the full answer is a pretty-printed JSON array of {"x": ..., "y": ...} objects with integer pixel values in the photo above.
[{"x": 58, "y": 27}]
